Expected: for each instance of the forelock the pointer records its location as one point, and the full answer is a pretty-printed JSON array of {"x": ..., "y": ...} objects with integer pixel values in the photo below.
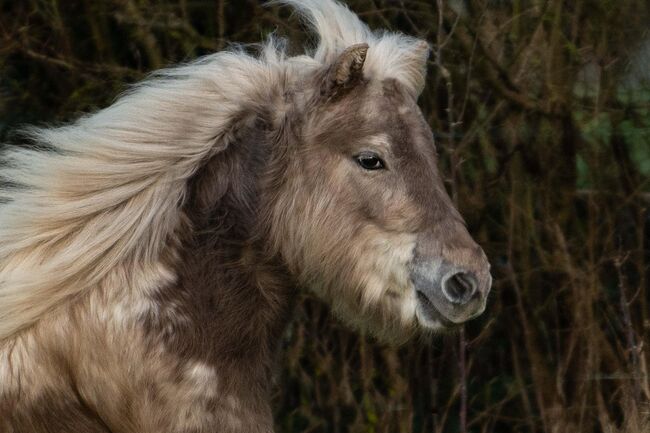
[{"x": 390, "y": 54}]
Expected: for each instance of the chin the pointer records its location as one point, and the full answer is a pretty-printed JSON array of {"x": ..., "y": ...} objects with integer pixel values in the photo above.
[{"x": 434, "y": 324}]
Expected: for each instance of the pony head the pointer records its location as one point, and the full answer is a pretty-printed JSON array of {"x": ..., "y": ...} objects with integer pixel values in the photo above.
[{"x": 362, "y": 217}]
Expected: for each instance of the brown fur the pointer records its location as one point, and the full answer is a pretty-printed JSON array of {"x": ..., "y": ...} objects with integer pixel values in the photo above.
[{"x": 284, "y": 206}]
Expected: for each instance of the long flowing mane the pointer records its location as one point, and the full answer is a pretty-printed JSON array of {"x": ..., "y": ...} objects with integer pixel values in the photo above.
[{"x": 104, "y": 194}]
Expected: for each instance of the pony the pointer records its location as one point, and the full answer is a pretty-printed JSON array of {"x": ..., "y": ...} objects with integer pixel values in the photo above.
[{"x": 151, "y": 252}]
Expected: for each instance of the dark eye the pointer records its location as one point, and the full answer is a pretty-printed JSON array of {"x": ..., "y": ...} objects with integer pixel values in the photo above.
[{"x": 369, "y": 161}]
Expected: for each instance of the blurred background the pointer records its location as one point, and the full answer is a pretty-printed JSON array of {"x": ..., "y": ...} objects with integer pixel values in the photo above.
[{"x": 541, "y": 110}]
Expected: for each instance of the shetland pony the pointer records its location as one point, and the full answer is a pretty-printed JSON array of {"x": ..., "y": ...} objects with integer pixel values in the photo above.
[{"x": 150, "y": 252}]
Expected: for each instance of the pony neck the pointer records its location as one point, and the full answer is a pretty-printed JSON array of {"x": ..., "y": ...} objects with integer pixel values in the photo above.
[{"x": 237, "y": 296}]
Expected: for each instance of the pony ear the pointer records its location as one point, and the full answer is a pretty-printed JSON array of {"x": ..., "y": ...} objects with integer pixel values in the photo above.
[{"x": 346, "y": 71}]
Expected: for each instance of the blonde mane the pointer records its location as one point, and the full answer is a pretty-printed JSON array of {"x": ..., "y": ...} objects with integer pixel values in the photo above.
[{"x": 105, "y": 192}]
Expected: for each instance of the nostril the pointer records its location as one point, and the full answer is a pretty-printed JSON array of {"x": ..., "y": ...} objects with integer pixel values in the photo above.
[{"x": 459, "y": 287}]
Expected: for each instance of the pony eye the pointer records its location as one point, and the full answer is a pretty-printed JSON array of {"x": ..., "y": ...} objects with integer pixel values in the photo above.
[{"x": 370, "y": 162}]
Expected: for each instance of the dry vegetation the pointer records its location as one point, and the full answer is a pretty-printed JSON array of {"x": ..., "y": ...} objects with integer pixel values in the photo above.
[{"x": 542, "y": 114}]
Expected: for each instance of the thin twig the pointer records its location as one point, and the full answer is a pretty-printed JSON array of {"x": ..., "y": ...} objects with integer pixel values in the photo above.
[
  {"x": 441, "y": 42},
  {"x": 630, "y": 334}
]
